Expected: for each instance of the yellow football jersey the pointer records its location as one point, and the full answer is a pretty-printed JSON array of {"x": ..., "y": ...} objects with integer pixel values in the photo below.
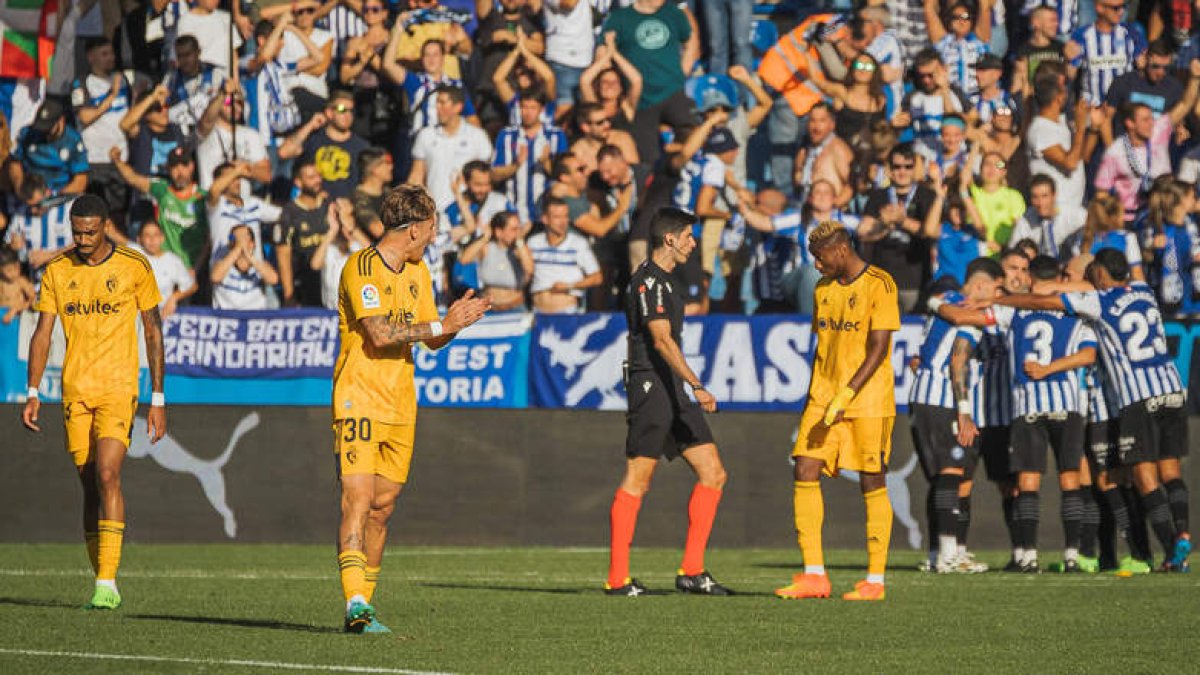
[
  {"x": 843, "y": 316},
  {"x": 99, "y": 306},
  {"x": 369, "y": 382}
]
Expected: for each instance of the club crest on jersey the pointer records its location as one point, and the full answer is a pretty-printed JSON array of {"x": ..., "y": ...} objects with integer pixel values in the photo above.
[
  {"x": 111, "y": 284},
  {"x": 412, "y": 288},
  {"x": 853, "y": 300},
  {"x": 370, "y": 297}
]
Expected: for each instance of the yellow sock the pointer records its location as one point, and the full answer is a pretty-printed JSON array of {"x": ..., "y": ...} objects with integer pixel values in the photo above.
[
  {"x": 810, "y": 517},
  {"x": 92, "y": 541},
  {"x": 354, "y": 573},
  {"x": 108, "y": 549},
  {"x": 879, "y": 530},
  {"x": 372, "y": 578}
]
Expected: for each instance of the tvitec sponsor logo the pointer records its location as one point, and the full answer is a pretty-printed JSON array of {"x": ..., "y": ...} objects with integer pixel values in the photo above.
[{"x": 90, "y": 308}]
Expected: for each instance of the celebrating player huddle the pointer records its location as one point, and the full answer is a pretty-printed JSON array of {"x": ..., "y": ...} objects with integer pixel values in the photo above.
[{"x": 1076, "y": 364}]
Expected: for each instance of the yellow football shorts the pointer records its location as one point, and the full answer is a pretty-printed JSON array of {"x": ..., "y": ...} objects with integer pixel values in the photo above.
[
  {"x": 367, "y": 447},
  {"x": 87, "y": 421},
  {"x": 861, "y": 444}
]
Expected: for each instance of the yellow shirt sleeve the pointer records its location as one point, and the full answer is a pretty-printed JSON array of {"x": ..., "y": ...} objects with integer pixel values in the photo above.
[
  {"x": 47, "y": 301},
  {"x": 885, "y": 305},
  {"x": 146, "y": 289},
  {"x": 362, "y": 285}
]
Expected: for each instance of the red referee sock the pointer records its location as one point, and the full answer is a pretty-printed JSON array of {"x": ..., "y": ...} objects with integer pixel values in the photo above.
[
  {"x": 623, "y": 521},
  {"x": 702, "y": 510}
]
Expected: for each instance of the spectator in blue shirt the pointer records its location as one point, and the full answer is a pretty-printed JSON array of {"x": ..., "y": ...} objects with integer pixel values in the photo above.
[{"x": 52, "y": 149}]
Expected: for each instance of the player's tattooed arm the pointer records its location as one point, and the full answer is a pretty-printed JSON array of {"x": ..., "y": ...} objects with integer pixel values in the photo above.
[
  {"x": 960, "y": 357},
  {"x": 152, "y": 322},
  {"x": 384, "y": 333}
]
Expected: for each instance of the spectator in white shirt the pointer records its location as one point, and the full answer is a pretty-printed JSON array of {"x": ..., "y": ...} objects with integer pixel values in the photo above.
[
  {"x": 211, "y": 28},
  {"x": 223, "y": 139},
  {"x": 240, "y": 276},
  {"x": 300, "y": 41},
  {"x": 440, "y": 152},
  {"x": 570, "y": 44},
  {"x": 563, "y": 263},
  {"x": 175, "y": 281},
  {"x": 341, "y": 240}
]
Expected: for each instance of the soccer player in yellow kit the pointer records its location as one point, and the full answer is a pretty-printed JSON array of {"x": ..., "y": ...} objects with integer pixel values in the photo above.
[
  {"x": 851, "y": 409},
  {"x": 99, "y": 290},
  {"x": 385, "y": 306}
]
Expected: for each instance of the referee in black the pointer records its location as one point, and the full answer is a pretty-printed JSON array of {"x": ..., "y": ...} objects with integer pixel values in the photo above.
[{"x": 663, "y": 420}]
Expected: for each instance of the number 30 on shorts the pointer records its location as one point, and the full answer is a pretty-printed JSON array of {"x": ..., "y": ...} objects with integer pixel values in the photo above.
[{"x": 355, "y": 429}]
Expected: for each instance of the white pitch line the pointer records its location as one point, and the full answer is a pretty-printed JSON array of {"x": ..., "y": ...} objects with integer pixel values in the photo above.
[{"x": 277, "y": 665}]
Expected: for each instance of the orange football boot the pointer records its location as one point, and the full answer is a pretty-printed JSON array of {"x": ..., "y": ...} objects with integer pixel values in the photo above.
[
  {"x": 805, "y": 586},
  {"x": 865, "y": 590}
]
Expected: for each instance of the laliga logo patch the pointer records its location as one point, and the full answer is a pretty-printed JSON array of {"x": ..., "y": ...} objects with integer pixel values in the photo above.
[{"x": 370, "y": 297}]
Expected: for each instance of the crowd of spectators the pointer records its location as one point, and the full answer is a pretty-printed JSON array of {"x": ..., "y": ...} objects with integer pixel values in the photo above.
[{"x": 246, "y": 147}]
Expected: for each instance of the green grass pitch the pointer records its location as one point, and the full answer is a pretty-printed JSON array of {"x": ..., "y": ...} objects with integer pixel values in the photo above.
[{"x": 262, "y": 609}]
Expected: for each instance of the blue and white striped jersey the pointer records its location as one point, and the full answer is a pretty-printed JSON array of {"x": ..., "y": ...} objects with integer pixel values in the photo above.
[
  {"x": 960, "y": 57},
  {"x": 1105, "y": 56},
  {"x": 991, "y": 389},
  {"x": 932, "y": 384},
  {"x": 46, "y": 231},
  {"x": 700, "y": 170},
  {"x": 1101, "y": 400},
  {"x": 1043, "y": 337},
  {"x": 778, "y": 253},
  {"x": 422, "y": 103},
  {"x": 986, "y": 107},
  {"x": 526, "y": 188},
  {"x": 1132, "y": 341}
]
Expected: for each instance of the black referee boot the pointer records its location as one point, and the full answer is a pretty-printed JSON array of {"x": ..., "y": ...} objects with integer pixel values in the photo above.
[
  {"x": 632, "y": 589},
  {"x": 700, "y": 584}
]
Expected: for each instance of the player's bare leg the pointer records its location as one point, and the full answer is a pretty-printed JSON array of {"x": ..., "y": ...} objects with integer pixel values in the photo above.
[
  {"x": 1171, "y": 474},
  {"x": 110, "y": 455},
  {"x": 383, "y": 503},
  {"x": 357, "y": 493},
  {"x": 702, "y": 511},
  {"x": 91, "y": 513},
  {"x": 622, "y": 523},
  {"x": 809, "y": 509}
]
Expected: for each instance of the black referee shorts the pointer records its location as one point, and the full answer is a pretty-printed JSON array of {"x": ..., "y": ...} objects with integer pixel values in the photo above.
[
  {"x": 1034, "y": 435},
  {"x": 662, "y": 421},
  {"x": 934, "y": 436},
  {"x": 1153, "y": 429}
]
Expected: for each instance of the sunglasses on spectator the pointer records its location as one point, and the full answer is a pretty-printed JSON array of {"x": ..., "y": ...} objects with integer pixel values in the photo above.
[
  {"x": 376, "y": 9},
  {"x": 925, "y": 75},
  {"x": 962, "y": 17},
  {"x": 1002, "y": 111},
  {"x": 865, "y": 66},
  {"x": 999, "y": 164},
  {"x": 896, "y": 166},
  {"x": 342, "y": 107},
  {"x": 306, "y": 10},
  {"x": 1156, "y": 66}
]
